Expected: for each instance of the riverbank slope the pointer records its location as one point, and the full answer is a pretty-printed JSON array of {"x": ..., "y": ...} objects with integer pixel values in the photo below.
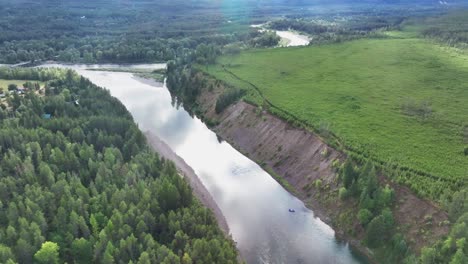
[{"x": 306, "y": 165}]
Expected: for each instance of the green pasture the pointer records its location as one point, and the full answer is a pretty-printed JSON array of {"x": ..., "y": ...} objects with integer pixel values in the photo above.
[{"x": 398, "y": 100}]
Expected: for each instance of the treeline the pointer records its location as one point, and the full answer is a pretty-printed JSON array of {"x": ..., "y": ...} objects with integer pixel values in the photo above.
[
  {"x": 110, "y": 31},
  {"x": 40, "y": 74},
  {"x": 308, "y": 27},
  {"x": 375, "y": 204},
  {"x": 83, "y": 187},
  {"x": 122, "y": 49},
  {"x": 451, "y": 38},
  {"x": 454, "y": 248},
  {"x": 449, "y": 29},
  {"x": 185, "y": 82},
  {"x": 264, "y": 39},
  {"x": 375, "y": 209},
  {"x": 332, "y": 32},
  {"x": 104, "y": 49}
]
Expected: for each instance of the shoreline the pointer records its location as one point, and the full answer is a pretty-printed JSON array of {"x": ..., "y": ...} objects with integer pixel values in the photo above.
[
  {"x": 199, "y": 190},
  {"x": 289, "y": 38},
  {"x": 242, "y": 139},
  {"x": 293, "y": 39},
  {"x": 317, "y": 208},
  {"x": 301, "y": 158},
  {"x": 205, "y": 197}
]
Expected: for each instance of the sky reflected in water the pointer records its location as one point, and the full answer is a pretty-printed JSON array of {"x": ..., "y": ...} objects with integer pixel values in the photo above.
[{"x": 255, "y": 206}]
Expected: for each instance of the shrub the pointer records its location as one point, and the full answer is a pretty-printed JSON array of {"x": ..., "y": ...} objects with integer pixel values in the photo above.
[
  {"x": 389, "y": 221},
  {"x": 428, "y": 255},
  {"x": 343, "y": 193},
  {"x": 266, "y": 39},
  {"x": 318, "y": 183},
  {"x": 399, "y": 245},
  {"x": 336, "y": 164},
  {"x": 422, "y": 109},
  {"x": 364, "y": 216},
  {"x": 386, "y": 197},
  {"x": 325, "y": 152},
  {"x": 376, "y": 232},
  {"x": 227, "y": 99},
  {"x": 348, "y": 173},
  {"x": 12, "y": 87}
]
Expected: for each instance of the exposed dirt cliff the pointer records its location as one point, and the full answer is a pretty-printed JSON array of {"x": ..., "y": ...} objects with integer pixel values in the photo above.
[{"x": 301, "y": 158}]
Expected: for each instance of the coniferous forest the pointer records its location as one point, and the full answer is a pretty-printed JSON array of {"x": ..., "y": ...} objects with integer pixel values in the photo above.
[{"x": 78, "y": 184}]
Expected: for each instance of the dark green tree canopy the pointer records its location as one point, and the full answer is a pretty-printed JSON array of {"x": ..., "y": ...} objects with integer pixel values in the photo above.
[{"x": 83, "y": 186}]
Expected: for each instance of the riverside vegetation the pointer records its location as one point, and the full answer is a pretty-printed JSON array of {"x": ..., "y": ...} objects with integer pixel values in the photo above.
[{"x": 83, "y": 186}]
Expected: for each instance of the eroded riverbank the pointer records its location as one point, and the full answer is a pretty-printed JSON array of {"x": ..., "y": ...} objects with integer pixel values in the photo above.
[
  {"x": 267, "y": 223},
  {"x": 255, "y": 206},
  {"x": 303, "y": 160}
]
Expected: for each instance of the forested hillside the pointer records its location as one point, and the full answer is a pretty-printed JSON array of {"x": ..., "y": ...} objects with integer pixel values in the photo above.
[
  {"x": 150, "y": 31},
  {"x": 121, "y": 31},
  {"x": 82, "y": 186}
]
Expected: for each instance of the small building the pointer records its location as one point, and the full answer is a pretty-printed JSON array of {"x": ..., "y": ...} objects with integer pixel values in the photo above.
[{"x": 46, "y": 116}]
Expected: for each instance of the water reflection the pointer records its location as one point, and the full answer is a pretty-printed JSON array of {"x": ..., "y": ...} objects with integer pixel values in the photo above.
[{"x": 255, "y": 206}]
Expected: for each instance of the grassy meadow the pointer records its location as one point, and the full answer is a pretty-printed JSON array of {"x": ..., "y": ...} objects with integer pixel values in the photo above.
[
  {"x": 401, "y": 101},
  {"x": 4, "y": 83}
]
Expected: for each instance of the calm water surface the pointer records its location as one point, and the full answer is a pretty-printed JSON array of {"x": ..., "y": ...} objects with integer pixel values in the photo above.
[
  {"x": 293, "y": 38},
  {"x": 256, "y": 207}
]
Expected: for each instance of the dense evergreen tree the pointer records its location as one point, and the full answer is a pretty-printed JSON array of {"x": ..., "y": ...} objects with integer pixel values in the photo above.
[
  {"x": 83, "y": 186},
  {"x": 48, "y": 254}
]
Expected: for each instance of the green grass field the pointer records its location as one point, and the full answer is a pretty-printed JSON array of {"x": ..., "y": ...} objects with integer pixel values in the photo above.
[
  {"x": 4, "y": 83},
  {"x": 372, "y": 93}
]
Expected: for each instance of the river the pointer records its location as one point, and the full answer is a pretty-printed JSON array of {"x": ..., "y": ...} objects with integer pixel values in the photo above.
[
  {"x": 293, "y": 39},
  {"x": 289, "y": 38},
  {"x": 255, "y": 206}
]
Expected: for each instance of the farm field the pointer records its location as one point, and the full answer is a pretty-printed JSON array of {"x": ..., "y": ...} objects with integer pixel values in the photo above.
[{"x": 398, "y": 101}]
